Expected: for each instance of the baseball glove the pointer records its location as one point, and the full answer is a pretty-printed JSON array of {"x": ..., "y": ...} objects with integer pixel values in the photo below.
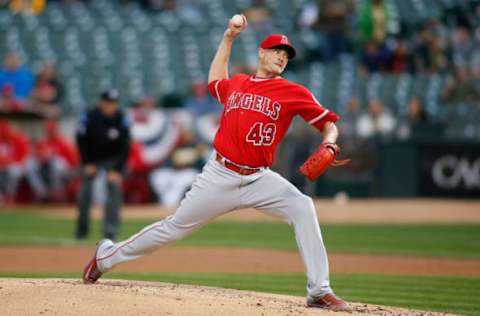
[{"x": 320, "y": 160}]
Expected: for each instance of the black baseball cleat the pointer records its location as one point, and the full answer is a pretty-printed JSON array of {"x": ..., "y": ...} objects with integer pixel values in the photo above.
[
  {"x": 328, "y": 301},
  {"x": 91, "y": 273}
]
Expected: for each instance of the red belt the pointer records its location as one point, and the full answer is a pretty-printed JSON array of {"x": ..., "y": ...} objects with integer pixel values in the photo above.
[{"x": 240, "y": 170}]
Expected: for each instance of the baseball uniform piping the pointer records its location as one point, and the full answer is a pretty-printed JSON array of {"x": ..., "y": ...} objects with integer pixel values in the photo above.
[
  {"x": 216, "y": 90},
  {"x": 315, "y": 99},
  {"x": 318, "y": 118},
  {"x": 126, "y": 243},
  {"x": 253, "y": 78}
]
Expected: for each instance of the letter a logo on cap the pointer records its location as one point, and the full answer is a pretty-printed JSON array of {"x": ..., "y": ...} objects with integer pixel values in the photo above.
[{"x": 274, "y": 40}]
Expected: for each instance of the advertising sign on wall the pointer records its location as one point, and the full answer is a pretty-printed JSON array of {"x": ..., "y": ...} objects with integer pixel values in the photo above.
[{"x": 449, "y": 170}]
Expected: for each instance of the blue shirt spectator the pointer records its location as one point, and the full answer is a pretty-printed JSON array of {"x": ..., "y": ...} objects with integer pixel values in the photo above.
[
  {"x": 20, "y": 77},
  {"x": 200, "y": 102},
  {"x": 374, "y": 57}
]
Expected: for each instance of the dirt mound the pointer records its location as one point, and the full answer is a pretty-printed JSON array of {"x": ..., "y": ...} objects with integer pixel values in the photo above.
[{"x": 70, "y": 297}]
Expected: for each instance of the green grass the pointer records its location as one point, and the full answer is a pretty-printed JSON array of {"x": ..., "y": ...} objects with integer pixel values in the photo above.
[
  {"x": 447, "y": 294},
  {"x": 413, "y": 240}
]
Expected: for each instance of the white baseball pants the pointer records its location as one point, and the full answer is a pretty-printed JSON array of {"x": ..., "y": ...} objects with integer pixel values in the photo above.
[{"x": 218, "y": 190}]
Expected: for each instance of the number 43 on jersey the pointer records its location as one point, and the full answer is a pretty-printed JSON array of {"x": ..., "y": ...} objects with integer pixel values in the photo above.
[{"x": 261, "y": 134}]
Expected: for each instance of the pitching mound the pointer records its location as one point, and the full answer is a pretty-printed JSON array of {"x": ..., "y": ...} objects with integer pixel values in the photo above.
[{"x": 112, "y": 297}]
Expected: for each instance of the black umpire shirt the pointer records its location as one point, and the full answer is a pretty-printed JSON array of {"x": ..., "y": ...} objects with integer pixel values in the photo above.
[{"x": 101, "y": 138}]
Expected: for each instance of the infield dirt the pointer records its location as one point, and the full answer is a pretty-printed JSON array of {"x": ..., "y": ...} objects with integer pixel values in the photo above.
[
  {"x": 70, "y": 297},
  {"x": 229, "y": 260}
]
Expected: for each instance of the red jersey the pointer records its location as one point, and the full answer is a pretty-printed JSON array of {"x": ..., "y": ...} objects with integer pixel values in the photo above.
[
  {"x": 257, "y": 113},
  {"x": 57, "y": 146},
  {"x": 13, "y": 149}
]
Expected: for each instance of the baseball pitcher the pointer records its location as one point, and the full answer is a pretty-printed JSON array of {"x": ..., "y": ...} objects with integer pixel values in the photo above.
[{"x": 257, "y": 111}]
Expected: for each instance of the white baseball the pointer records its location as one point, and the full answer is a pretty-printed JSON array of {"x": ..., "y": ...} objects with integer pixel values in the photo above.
[{"x": 237, "y": 20}]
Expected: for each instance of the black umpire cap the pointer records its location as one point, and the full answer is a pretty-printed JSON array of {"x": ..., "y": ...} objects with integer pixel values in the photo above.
[{"x": 110, "y": 95}]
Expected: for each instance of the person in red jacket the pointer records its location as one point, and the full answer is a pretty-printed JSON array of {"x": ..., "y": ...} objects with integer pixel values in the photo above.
[
  {"x": 15, "y": 163},
  {"x": 57, "y": 156},
  {"x": 8, "y": 102}
]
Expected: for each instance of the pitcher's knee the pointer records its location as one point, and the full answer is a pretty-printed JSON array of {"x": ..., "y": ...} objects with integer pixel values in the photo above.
[
  {"x": 304, "y": 208},
  {"x": 179, "y": 234},
  {"x": 177, "y": 230}
]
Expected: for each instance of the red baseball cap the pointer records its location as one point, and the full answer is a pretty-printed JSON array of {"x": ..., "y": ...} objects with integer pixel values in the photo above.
[{"x": 279, "y": 40}]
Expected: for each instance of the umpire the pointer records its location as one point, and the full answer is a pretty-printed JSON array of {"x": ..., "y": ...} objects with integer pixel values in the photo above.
[{"x": 103, "y": 139}]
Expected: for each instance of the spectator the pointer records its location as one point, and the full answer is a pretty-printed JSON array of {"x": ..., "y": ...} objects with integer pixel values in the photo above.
[
  {"x": 373, "y": 19},
  {"x": 8, "y": 102},
  {"x": 401, "y": 60},
  {"x": 27, "y": 7},
  {"x": 416, "y": 116},
  {"x": 360, "y": 151},
  {"x": 103, "y": 139},
  {"x": 15, "y": 163},
  {"x": 56, "y": 157},
  {"x": 20, "y": 77},
  {"x": 200, "y": 102},
  {"x": 171, "y": 181},
  {"x": 155, "y": 136},
  {"x": 347, "y": 125},
  {"x": 377, "y": 122},
  {"x": 416, "y": 111},
  {"x": 136, "y": 163},
  {"x": 205, "y": 111},
  {"x": 155, "y": 131},
  {"x": 301, "y": 140},
  {"x": 475, "y": 61},
  {"x": 136, "y": 187},
  {"x": 374, "y": 58},
  {"x": 463, "y": 46},
  {"x": 461, "y": 88},
  {"x": 47, "y": 92},
  {"x": 186, "y": 10},
  {"x": 206, "y": 127},
  {"x": 330, "y": 22},
  {"x": 431, "y": 49}
]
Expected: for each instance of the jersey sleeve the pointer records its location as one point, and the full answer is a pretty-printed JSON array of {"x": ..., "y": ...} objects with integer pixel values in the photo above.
[
  {"x": 218, "y": 89},
  {"x": 308, "y": 107}
]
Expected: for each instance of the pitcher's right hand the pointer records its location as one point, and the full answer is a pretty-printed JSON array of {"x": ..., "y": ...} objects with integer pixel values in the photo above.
[{"x": 234, "y": 30}]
